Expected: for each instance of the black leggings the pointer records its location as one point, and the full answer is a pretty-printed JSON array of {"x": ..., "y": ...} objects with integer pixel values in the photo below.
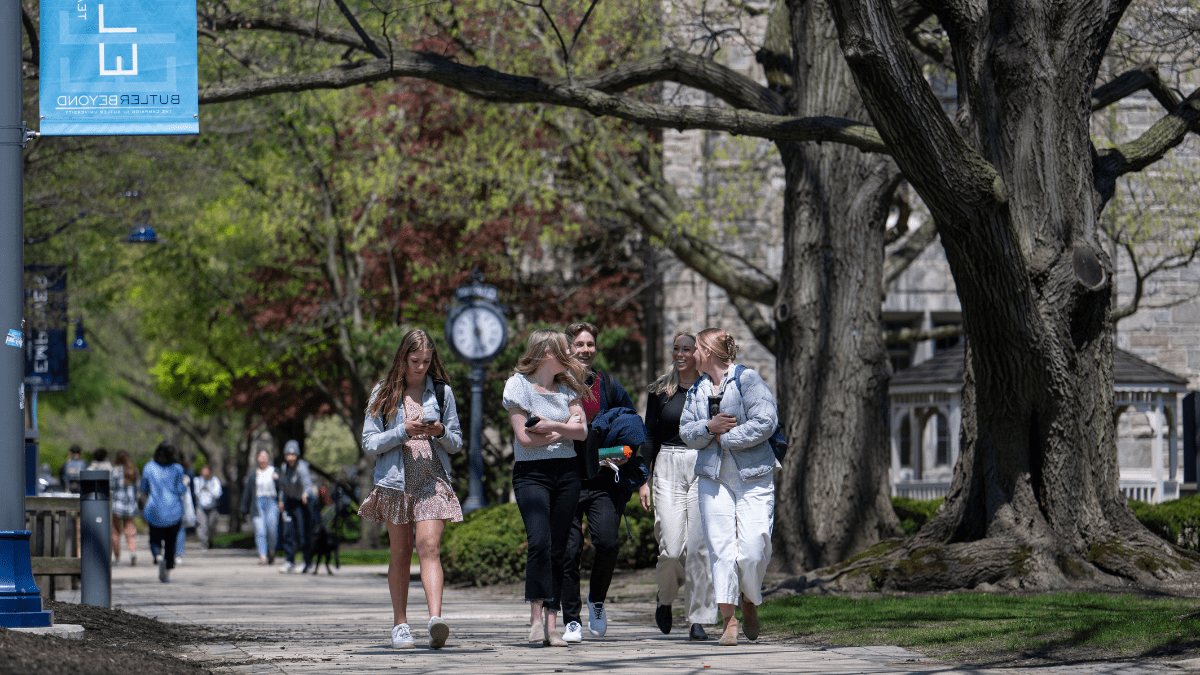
[
  {"x": 168, "y": 535},
  {"x": 547, "y": 493},
  {"x": 602, "y": 500}
]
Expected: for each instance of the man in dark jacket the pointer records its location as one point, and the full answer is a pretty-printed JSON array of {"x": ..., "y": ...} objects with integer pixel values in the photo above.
[
  {"x": 297, "y": 516},
  {"x": 602, "y": 499}
]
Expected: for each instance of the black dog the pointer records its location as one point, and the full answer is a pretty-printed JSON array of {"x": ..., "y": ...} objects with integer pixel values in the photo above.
[
  {"x": 325, "y": 546},
  {"x": 326, "y": 539}
]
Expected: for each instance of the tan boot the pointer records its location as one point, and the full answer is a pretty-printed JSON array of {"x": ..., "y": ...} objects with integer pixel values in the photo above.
[
  {"x": 729, "y": 637},
  {"x": 749, "y": 619}
]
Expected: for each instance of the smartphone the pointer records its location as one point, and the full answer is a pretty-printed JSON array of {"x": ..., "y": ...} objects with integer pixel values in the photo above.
[
  {"x": 533, "y": 419},
  {"x": 429, "y": 420},
  {"x": 714, "y": 406}
]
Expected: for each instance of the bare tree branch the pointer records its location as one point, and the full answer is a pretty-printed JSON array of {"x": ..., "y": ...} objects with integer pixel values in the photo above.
[
  {"x": 1131, "y": 82},
  {"x": 505, "y": 88},
  {"x": 763, "y": 331},
  {"x": 895, "y": 262},
  {"x": 1148, "y": 148},
  {"x": 358, "y": 30},
  {"x": 899, "y": 337},
  {"x": 291, "y": 25}
]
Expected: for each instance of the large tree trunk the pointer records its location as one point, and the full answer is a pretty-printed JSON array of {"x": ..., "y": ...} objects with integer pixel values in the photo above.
[
  {"x": 833, "y": 371},
  {"x": 1035, "y": 500}
]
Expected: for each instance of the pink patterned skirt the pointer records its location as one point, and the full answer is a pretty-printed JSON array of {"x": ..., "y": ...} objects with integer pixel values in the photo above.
[{"x": 427, "y": 494}]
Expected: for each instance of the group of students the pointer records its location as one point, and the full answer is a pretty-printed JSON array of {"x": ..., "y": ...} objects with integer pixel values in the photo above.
[
  {"x": 706, "y": 453},
  {"x": 174, "y": 500}
]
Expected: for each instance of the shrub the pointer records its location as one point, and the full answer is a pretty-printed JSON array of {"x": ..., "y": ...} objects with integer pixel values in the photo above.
[
  {"x": 914, "y": 513},
  {"x": 487, "y": 547},
  {"x": 1176, "y": 521}
]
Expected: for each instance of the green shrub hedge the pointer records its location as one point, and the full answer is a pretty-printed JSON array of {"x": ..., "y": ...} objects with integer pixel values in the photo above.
[
  {"x": 488, "y": 546},
  {"x": 914, "y": 513},
  {"x": 1176, "y": 521}
]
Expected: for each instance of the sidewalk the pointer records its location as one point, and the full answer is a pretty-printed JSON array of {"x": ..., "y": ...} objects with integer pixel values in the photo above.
[{"x": 340, "y": 624}]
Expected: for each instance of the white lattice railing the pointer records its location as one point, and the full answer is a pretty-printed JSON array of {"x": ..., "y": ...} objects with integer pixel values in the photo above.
[{"x": 920, "y": 490}]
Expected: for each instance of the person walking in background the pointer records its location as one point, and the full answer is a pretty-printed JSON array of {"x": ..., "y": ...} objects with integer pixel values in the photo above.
[
  {"x": 162, "y": 481},
  {"x": 207, "y": 491},
  {"x": 261, "y": 494},
  {"x": 602, "y": 497},
  {"x": 71, "y": 468},
  {"x": 297, "y": 517},
  {"x": 100, "y": 461},
  {"x": 543, "y": 400},
  {"x": 123, "y": 484},
  {"x": 683, "y": 555},
  {"x": 189, "y": 509},
  {"x": 734, "y": 462},
  {"x": 411, "y": 425}
]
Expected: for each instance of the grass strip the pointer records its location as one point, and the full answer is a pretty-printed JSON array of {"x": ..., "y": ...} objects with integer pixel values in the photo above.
[{"x": 974, "y": 626}]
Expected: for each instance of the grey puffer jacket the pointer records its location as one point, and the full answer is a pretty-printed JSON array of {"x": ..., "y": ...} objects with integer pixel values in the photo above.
[{"x": 751, "y": 402}]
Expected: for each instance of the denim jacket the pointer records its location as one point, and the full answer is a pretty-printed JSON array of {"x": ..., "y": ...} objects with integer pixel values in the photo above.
[
  {"x": 387, "y": 441},
  {"x": 751, "y": 402}
]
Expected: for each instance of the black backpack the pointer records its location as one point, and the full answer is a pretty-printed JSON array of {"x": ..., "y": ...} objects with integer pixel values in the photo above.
[{"x": 777, "y": 440}]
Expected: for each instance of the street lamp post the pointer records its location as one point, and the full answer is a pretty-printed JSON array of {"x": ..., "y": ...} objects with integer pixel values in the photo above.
[
  {"x": 20, "y": 602},
  {"x": 476, "y": 332}
]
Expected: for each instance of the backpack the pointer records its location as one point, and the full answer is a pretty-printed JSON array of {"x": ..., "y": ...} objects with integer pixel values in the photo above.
[
  {"x": 777, "y": 440},
  {"x": 439, "y": 392}
]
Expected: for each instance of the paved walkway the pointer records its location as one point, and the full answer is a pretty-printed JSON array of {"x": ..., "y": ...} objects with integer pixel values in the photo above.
[{"x": 341, "y": 623}]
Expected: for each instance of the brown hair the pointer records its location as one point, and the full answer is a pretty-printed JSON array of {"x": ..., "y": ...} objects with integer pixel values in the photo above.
[
  {"x": 578, "y": 327},
  {"x": 130, "y": 469},
  {"x": 721, "y": 344},
  {"x": 387, "y": 398},
  {"x": 669, "y": 382},
  {"x": 541, "y": 341}
]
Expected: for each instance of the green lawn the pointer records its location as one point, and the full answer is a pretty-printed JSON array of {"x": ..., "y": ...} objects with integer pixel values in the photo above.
[
  {"x": 982, "y": 626},
  {"x": 348, "y": 556}
]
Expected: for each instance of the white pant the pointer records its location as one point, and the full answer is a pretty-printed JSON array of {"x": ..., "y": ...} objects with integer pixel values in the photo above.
[
  {"x": 683, "y": 554},
  {"x": 738, "y": 517}
]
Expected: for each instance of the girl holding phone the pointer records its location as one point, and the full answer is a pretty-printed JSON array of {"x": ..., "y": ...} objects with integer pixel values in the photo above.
[
  {"x": 410, "y": 434},
  {"x": 543, "y": 400},
  {"x": 734, "y": 462}
]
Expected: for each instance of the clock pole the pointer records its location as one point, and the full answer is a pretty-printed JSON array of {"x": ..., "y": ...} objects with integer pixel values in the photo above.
[
  {"x": 475, "y": 499},
  {"x": 476, "y": 332}
]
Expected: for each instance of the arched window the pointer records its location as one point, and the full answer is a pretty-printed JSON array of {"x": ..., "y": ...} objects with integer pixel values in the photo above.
[
  {"x": 905, "y": 442},
  {"x": 943, "y": 440}
]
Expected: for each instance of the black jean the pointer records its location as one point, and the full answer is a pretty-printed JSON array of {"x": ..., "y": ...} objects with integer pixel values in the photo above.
[
  {"x": 164, "y": 538},
  {"x": 547, "y": 492},
  {"x": 603, "y": 502},
  {"x": 297, "y": 530}
]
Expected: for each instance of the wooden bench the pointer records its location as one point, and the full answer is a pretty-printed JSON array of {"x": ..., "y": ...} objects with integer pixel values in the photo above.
[{"x": 54, "y": 540}]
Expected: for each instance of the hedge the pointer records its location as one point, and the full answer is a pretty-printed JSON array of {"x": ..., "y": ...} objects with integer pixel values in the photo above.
[
  {"x": 488, "y": 546},
  {"x": 1177, "y": 521}
]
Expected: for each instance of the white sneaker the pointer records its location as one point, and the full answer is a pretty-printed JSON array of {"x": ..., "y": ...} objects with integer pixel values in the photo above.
[
  {"x": 402, "y": 637},
  {"x": 574, "y": 633},
  {"x": 597, "y": 621},
  {"x": 287, "y": 568},
  {"x": 438, "y": 632}
]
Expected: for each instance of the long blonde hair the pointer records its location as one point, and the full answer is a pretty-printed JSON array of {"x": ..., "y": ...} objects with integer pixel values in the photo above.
[
  {"x": 669, "y": 382},
  {"x": 541, "y": 341},
  {"x": 387, "y": 399},
  {"x": 721, "y": 344}
]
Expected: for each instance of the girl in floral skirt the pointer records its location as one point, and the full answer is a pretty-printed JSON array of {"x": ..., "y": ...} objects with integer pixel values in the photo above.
[{"x": 410, "y": 434}]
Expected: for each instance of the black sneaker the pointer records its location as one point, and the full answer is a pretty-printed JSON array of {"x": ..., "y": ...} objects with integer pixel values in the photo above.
[
  {"x": 162, "y": 570},
  {"x": 697, "y": 633},
  {"x": 662, "y": 617}
]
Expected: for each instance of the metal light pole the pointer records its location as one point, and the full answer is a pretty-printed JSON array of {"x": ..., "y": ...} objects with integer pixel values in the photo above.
[
  {"x": 20, "y": 602},
  {"x": 475, "y": 499}
]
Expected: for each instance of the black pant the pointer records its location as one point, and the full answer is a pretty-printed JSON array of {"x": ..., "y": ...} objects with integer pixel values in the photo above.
[
  {"x": 297, "y": 530},
  {"x": 547, "y": 491},
  {"x": 166, "y": 535},
  {"x": 602, "y": 500}
]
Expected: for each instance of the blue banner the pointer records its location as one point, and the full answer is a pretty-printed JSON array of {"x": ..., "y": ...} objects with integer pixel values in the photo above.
[
  {"x": 46, "y": 327},
  {"x": 118, "y": 67}
]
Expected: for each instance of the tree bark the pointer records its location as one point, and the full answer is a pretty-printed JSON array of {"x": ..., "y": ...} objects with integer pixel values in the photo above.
[
  {"x": 1034, "y": 501},
  {"x": 832, "y": 362}
]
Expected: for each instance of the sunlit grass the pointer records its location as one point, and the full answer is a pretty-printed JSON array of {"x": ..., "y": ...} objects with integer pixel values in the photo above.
[{"x": 982, "y": 624}]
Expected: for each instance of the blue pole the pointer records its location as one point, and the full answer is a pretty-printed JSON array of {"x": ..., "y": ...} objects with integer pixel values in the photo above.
[{"x": 20, "y": 602}]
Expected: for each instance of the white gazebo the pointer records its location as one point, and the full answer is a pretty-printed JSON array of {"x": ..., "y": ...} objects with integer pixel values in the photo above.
[{"x": 926, "y": 413}]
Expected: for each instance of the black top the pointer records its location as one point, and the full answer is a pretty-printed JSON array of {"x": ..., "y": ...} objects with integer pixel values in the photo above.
[{"x": 662, "y": 423}]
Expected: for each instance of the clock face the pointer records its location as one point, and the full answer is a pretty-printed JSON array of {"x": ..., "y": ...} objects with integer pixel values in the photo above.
[{"x": 478, "y": 333}]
